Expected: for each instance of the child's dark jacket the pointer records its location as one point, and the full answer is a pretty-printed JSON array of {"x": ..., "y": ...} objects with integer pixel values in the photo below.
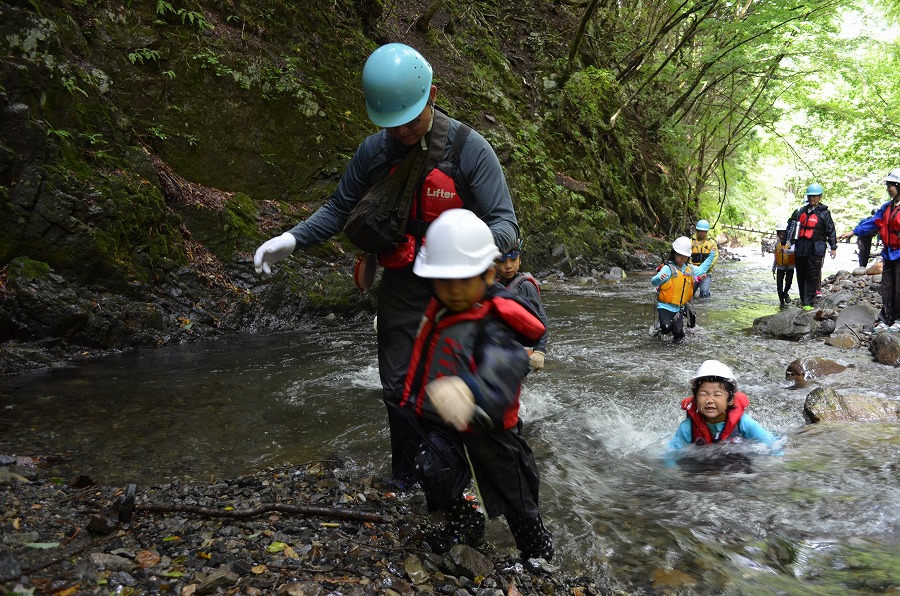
[{"x": 482, "y": 346}]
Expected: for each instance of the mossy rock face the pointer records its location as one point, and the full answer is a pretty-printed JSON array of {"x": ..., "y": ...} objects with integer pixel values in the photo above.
[{"x": 25, "y": 268}]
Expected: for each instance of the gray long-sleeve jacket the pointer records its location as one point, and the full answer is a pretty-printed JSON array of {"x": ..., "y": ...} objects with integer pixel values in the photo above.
[{"x": 479, "y": 181}]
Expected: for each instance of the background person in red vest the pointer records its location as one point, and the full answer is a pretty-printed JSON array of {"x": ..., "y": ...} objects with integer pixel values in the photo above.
[
  {"x": 886, "y": 222},
  {"x": 400, "y": 97},
  {"x": 813, "y": 229}
]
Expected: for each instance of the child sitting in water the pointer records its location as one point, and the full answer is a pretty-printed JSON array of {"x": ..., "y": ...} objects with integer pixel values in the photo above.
[
  {"x": 715, "y": 411},
  {"x": 675, "y": 281},
  {"x": 525, "y": 286}
]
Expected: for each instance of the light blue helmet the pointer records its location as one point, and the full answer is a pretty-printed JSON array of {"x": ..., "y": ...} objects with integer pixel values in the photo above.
[
  {"x": 702, "y": 226},
  {"x": 814, "y": 189},
  {"x": 397, "y": 82}
]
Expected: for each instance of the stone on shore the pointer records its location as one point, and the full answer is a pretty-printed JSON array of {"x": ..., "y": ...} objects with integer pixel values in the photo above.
[
  {"x": 811, "y": 367},
  {"x": 885, "y": 347},
  {"x": 824, "y": 404},
  {"x": 791, "y": 323}
]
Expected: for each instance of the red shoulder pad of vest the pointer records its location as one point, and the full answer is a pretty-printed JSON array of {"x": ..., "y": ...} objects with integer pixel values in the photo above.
[{"x": 518, "y": 318}]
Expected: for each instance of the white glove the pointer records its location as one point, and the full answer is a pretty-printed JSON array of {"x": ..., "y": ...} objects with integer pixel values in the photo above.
[
  {"x": 453, "y": 400},
  {"x": 536, "y": 360},
  {"x": 272, "y": 251}
]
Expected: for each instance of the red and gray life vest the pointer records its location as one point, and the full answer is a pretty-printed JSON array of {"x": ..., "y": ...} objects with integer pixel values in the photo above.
[
  {"x": 447, "y": 345},
  {"x": 437, "y": 194},
  {"x": 889, "y": 225},
  {"x": 700, "y": 434},
  {"x": 809, "y": 223}
]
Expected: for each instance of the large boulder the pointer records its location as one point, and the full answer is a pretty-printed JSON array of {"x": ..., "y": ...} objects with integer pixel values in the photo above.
[
  {"x": 855, "y": 317},
  {"x": 791, "y": 323},
  {"x": 885, "y": 347},
  {"x": 827, "y": 405},
  {"x": 842, "y": 296}
]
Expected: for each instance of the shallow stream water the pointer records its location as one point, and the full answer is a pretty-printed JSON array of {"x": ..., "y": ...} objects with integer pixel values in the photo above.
[{"x": 823, "y": 518}]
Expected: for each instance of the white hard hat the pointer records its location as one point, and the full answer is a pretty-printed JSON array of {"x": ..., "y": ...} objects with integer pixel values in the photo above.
[
  {"x": 682, "y": 246},
  {"x": 713, "y": 369},
  {"x": 781, "y": 227},
  {"x": 894, "y": 176},
  {"x": 458, "y": 245}
]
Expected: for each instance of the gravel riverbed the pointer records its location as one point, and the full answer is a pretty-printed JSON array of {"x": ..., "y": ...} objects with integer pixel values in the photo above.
[{"x": 321, "y": 528}]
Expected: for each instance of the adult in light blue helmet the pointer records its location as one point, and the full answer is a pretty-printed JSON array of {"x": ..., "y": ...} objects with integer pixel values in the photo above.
[
  {"x": 400, "y": 97},
  {"x": 885, "y": 221},
  {"x": 397, "y": 83},
  {"x": 703, "y": 246},
  {"x": 811, "y": 231}
]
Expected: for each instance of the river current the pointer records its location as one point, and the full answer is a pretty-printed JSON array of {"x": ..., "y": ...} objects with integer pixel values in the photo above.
[{"x": 822, "y": 518}]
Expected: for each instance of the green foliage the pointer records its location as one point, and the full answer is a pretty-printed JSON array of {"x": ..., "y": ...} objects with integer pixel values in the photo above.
[
  {"x": 591, "y": 92},
  {"x": 140, "y": 55},
  {"x": 194, "y": 18}
]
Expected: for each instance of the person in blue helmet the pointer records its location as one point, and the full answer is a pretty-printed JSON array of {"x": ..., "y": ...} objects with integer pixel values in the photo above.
[
  {"x": 701, "y": 247},
  {"x": 400, "y": 98},
  {"x": 886, "y": 222},
  {"x": 525, "y": 286},
  {"x": 810, "y": 230}
]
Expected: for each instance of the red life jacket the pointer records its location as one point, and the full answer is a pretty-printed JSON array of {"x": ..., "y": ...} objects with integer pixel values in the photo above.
[
  {"x": 700, "y": 434},
  {"x": 446, "y": 345},
  {"x": 438, "y": 194},
  {"x": 808, "y": 223},
  {"x": 889, "y": 225}
]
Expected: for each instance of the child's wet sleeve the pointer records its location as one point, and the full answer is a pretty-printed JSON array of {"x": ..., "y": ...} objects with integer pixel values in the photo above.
[
  {"x": 682, "y": 436},
  {"x": 752, "y": 430}
]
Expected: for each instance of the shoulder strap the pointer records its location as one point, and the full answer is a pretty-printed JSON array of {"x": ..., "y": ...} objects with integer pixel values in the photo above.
[
  {"x": 458, "y": 141},
  {"x": 425, "y": 161}
]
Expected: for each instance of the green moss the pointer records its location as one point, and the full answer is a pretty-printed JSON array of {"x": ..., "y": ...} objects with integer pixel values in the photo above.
[
  {"x": 334, "y": 291},
  {"x": 25, "y": 268}
]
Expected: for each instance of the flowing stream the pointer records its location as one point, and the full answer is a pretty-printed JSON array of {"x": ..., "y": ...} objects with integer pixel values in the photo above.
[{"x": 823, "y": 518}]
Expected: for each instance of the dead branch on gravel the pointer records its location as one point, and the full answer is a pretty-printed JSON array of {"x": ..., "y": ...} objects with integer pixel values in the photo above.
[{"x": 310, "y": 510}]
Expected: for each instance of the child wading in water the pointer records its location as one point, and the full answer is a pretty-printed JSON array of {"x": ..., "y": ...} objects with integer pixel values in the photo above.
[
  {"x": 715, "y": 411},
  {"x": 463, "y": 389},
  {"x": 675, "y": 281},
  {"x": 783, "y": 265},
  {"x": 525, "y": 286}
]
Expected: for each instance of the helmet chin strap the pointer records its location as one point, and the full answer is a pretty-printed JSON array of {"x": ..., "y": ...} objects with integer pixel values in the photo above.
[{"x": 430, "y": 124}]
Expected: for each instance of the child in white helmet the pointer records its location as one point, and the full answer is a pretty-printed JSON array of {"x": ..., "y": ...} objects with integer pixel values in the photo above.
[
  {"x": 783, "y": 265},
  {"x": 463, "y": 386},
  {"x": 675, "y": 284},
  {"x": 525, "y": 286},
  {"x": 716, "y": 411}
]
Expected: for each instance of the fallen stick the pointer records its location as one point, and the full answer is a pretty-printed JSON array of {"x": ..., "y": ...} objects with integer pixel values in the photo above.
[{"x": 312, "y": 510}]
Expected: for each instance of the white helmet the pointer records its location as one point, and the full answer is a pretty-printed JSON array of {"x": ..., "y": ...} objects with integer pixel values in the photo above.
[
  {"x": 781, "y": 227},
  {"x": 713, "y": 370},
  {"x": 894, "y": 176},
  {"x": 458, "y": 245},
  {"x": 682, "y": 246}
]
